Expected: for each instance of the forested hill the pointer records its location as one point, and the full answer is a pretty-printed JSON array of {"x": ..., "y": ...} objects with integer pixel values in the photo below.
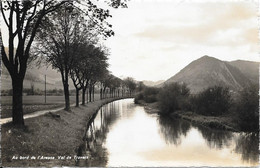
[
  {"x": 34, "y": 75},
  {"x": 208, "y": 71}
]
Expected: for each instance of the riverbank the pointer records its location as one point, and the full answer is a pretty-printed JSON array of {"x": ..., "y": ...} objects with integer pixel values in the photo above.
[
  {"x": 222, "y": 122},
  {"x": 47, "y": 137},
  {"x": 149, "y": 107}
]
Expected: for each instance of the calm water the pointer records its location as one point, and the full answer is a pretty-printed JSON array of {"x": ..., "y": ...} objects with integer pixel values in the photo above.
[{"x": 123, "y": 134}]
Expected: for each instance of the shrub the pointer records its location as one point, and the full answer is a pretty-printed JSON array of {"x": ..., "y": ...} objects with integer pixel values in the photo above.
[
  {"x": 247, "y": 109},
  {"x": 213, "y": 101},
  {"x": 138, "y": 97},
  {"x": 149, "y": 95},
  {"x": 7, "y": 92},
  {"x": 173, "y": 97},
  {"x": 150, "y": 98}
]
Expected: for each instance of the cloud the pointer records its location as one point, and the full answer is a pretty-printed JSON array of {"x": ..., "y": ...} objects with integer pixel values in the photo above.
[
  {"x": 156, "y": 39},
  {"x": 227, "y": 18},
  {"x": 251, "y": 35}
]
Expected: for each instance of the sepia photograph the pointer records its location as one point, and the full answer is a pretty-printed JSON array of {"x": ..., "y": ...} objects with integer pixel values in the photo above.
[{"x": 129, "y": 83}]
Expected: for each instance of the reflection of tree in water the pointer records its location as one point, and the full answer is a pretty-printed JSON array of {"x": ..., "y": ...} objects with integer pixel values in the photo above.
[
  {"x": 96, "y": 136},
  {"x": 216, "y": 139},
  {"x": 247, "y": 145},
  {"x": 173, "y": 129},
  {"x": 109, "y": 115}
]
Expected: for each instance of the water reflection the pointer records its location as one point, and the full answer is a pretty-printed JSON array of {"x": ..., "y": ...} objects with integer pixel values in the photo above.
[
  {"x": 122, "y": 134},
  {"x": 216, "y": 138},
  {"x": 173, "y": 129},
  {"x": 96, "y": 134},
  {"x": 247, "y": 145}
]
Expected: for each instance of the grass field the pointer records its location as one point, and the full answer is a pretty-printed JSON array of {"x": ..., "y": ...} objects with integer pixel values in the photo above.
[
  {"x": 32, "y": 100},
  {"x": 36, "y": 103},
  {"x": 6, "y": 83}
]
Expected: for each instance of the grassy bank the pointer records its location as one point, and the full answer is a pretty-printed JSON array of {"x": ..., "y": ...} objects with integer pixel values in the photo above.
[
  {"x": 47, "y": 137},
  {"x": 149, "y": 107},
  {"x": 6, "y": 111},
  {"x": 221, "y": 122}
]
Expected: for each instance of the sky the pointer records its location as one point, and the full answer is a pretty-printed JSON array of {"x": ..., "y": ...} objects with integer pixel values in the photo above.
[{"x": 155, "y": 39}]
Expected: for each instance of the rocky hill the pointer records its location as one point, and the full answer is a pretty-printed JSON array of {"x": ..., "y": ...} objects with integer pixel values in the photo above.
[{"x": 208, "y": 71}]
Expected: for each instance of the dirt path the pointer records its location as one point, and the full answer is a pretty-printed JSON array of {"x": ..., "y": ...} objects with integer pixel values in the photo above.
[
  {"x": 46, "y": 137},
  {"x": 33, "y": 114}
]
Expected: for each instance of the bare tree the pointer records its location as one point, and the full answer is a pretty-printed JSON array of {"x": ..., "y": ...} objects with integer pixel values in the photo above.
[
  {"x": 97, "y": 68},
  {"x": 59, "y": 42},
  {"x": 105, "y": 84},
  {"x": 81, "y": 59},
  {"x": 131, "y": 85},
  {"x": 23, "y": 19}
]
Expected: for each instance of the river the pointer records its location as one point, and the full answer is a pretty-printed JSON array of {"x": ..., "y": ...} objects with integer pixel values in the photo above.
[{"x": 123, "y": 134}]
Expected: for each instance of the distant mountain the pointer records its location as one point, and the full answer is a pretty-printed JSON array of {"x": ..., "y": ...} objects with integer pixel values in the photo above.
[
  {"x": 208, "y": 71},
  {"x": 152, "y": 83},
  {"x": 249, "y": 68}
]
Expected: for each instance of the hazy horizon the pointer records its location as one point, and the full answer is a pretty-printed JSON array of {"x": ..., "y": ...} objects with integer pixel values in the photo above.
[{"x": 53, "y": 76}]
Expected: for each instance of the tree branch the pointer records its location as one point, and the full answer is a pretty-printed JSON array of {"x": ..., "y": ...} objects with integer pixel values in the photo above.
[
  {"x": 26, "y": 29},
  {"x": 11, "y": 37},
  {"x": 6, "y": 62},
  {"x": 3, "y": 14}
]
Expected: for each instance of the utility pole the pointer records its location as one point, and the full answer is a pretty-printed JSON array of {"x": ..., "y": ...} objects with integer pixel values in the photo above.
[{"x": 45, "y": 91}]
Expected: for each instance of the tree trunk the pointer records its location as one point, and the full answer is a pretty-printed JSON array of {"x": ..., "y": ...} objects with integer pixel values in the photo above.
[
  {"x": 17, "y": 110},
  {"x": 100, "y": 95},
  {"x": 77, "y": 97},
  {"x": 93, "y": 93},
  {"x": 87, "y": 96},
  {"x": 83, "y": 96},
  {"x": 89, "y": 93},
  {"x": 67, "y": 96},
  {"x": 64, "y": 77},
  {"x": 103, "y": 93}
]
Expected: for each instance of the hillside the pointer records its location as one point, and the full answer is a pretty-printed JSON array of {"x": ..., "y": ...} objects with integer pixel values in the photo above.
[
  {"x": 208, "y": 71},
  {"x": 152, "y": 83},
  {"x": 35, "y": 76},
  {"x": 249, "y": 68}
]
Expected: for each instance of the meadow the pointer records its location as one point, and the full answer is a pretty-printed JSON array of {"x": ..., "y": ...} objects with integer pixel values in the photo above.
[{"x": 34, "y": 103}]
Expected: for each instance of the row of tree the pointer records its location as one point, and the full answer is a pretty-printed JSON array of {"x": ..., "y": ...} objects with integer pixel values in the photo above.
[{"x": 61, "y": 31}]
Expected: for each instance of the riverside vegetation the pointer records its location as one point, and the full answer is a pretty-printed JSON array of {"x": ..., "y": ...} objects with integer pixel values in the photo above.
[{"x": 215, "y": 107}]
